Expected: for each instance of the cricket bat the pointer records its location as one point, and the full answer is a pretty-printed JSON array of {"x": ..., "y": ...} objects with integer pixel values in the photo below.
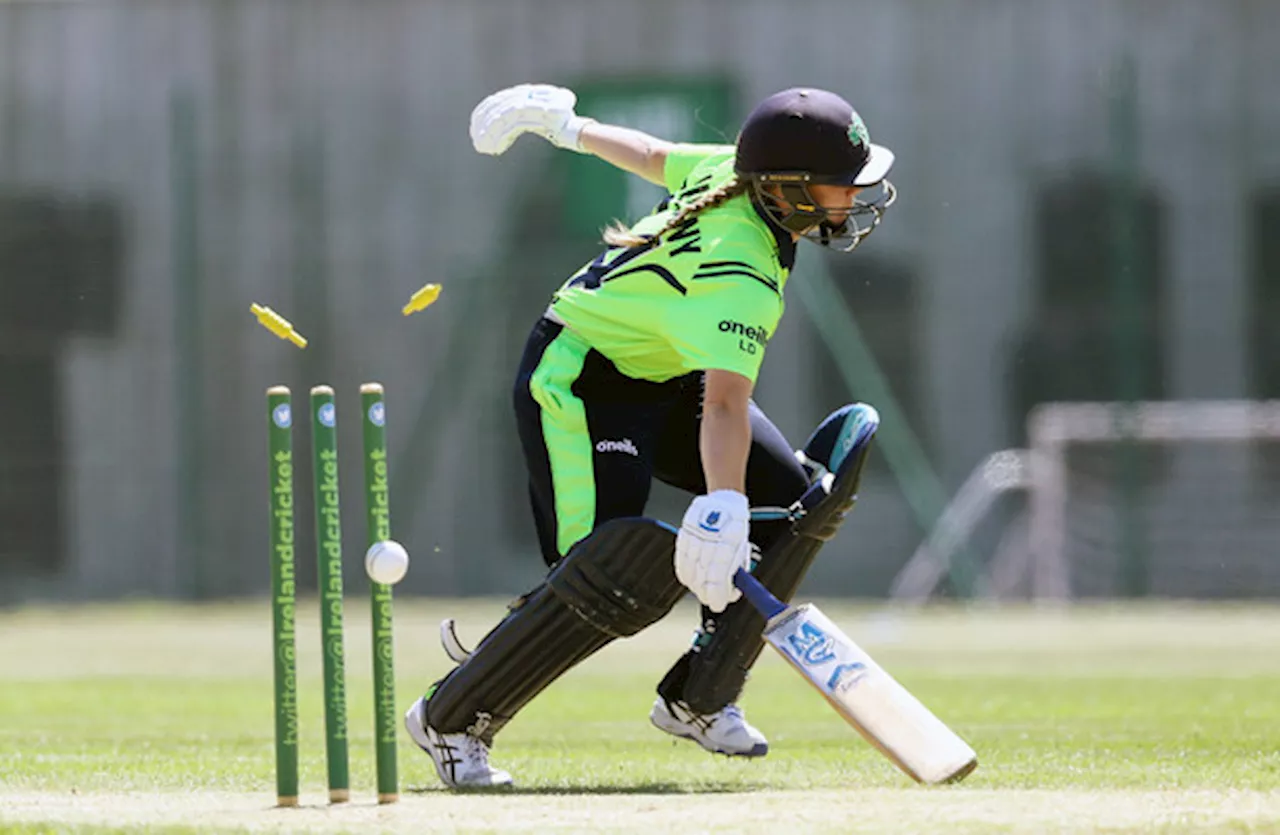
[{"x": 868, "y": 698}]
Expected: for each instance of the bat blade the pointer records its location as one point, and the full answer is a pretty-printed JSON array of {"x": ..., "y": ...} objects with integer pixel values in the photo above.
[{"x": 868, "y": 698}]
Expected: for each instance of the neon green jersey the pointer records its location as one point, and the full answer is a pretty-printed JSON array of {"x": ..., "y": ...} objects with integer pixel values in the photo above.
[{"x": 708, "y": 295}]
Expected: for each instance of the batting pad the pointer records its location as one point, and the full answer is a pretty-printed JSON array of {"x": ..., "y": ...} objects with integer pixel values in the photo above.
[{"x": 612, "y": 584}]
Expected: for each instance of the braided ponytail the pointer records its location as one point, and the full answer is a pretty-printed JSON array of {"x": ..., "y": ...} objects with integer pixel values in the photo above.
[{"x": 619, "y": 235}]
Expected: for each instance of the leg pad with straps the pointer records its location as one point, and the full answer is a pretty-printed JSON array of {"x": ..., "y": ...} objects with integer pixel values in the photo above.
[{"x": 612, "y": 584}]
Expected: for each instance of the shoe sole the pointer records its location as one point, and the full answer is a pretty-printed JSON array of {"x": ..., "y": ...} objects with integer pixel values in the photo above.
[{"x": 415, "y": 722}]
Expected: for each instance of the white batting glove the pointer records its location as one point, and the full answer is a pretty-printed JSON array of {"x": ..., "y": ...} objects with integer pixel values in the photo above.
[
  {"x": 712, "y": 545},
  {"x": 540, "y": 109}
]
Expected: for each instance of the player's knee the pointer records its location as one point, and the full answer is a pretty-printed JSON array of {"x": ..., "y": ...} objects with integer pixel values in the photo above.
[
  {"x": 840, "y": 446},
  {"x": 624, "y": 581},
  {"x": 840, "y": 433}
]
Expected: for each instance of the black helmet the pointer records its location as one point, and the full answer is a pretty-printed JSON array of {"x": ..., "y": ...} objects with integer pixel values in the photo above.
[{"x": 805, "y": 135}]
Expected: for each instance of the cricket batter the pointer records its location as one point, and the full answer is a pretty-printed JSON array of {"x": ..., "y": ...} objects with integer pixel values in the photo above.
[{"x": 643, "y": 366}]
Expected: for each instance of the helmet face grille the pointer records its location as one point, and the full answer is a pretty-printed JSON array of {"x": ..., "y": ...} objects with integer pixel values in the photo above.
[{"x": 799, "y": 213}]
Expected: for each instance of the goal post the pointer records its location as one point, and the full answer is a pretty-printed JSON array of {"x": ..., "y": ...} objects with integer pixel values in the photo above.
[
  {"x": 1207, "y": 511},
  {"x": 1214, "y": 476}
]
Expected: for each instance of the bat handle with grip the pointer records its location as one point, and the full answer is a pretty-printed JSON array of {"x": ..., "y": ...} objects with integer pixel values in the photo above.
[{"x": 760, "y": 597}]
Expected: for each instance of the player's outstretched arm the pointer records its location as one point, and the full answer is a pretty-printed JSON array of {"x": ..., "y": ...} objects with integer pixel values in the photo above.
[
  {"x": 631, "y": 150},
  {"x": 548, "y": 111}
]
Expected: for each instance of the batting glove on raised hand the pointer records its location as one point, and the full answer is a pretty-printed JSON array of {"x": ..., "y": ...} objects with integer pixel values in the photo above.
[
  {"x": 540, "y": 109},
  {"x": 712, "y": 545}
]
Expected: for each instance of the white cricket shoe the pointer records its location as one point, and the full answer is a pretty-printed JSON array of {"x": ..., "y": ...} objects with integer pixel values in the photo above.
[
  {"x": 725, "y": 732},
  {"x": 461, "y": 760}
]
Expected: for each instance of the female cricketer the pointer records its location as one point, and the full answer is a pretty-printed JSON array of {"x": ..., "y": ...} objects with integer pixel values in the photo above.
[{"x": 642, "y": 367}]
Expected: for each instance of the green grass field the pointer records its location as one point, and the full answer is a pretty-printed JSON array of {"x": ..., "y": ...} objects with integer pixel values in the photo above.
[{"x": 158, "y": 718}]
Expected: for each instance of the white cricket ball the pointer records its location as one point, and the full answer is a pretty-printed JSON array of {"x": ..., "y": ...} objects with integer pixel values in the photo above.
[{"x": 386, "y": 562}]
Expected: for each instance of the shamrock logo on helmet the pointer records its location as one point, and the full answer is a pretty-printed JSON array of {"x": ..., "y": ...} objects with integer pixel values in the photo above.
[{"x": 858, "y": 134}]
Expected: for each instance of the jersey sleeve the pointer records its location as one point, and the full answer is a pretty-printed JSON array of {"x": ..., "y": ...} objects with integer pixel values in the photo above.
[
  {"x": 684, "y": 157},
  {"x": 725, "y": 323}
]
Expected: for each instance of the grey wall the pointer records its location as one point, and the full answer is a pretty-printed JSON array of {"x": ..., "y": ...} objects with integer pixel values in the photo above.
[{"x": 333, "y": 176}]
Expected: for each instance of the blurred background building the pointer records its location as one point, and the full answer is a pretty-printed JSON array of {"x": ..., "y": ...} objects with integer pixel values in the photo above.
[{"x": 1089, "y": 211}]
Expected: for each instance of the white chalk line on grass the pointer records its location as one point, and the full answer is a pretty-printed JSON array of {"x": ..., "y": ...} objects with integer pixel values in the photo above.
[{"x": 875, "y": 810}]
